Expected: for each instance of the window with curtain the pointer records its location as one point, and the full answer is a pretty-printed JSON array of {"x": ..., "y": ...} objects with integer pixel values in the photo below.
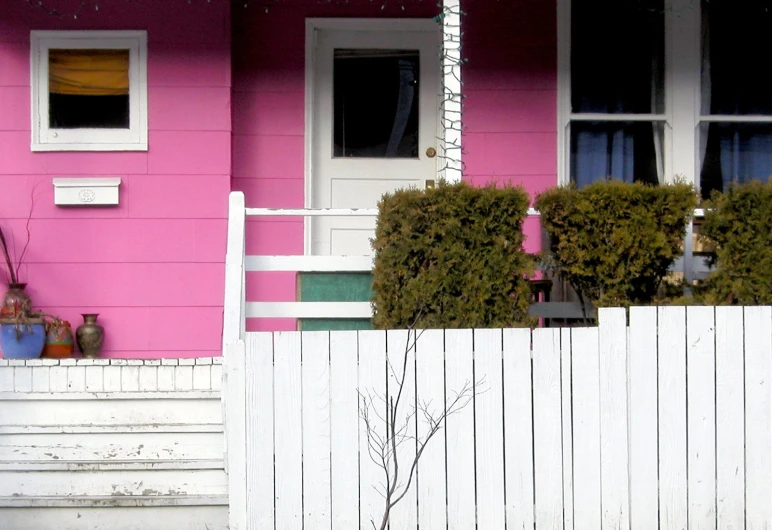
[
  {"x": 735, "y": 131},
  {"x": 617, "y": 90}
]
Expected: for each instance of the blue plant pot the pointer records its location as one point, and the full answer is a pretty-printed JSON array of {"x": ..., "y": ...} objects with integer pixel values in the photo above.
[{"x": 26, "y": 343}]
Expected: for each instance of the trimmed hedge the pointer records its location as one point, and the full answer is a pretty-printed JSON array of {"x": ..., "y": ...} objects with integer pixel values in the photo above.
[
  {"x": 738, "y": 224},
  {"x": 451, "y": 257},
  {"x": 615, "y": 241}
]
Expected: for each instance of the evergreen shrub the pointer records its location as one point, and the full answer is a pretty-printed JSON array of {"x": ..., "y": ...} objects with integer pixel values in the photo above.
[
  {"x": 739, "y": 224},
  {"x": 614, "y": 241},
  {"x": 451, "y": 257}
]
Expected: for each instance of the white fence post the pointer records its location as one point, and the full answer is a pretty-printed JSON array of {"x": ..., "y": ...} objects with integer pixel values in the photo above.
[
  {"x": 234, "y": 394},
  {"x": 451, "y": 82},
  {"x": 233, "y": 310}
]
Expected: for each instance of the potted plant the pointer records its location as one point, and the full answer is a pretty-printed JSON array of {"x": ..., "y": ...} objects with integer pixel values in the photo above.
[
  {"x": 15, "y": 300},
  {"x": 23, "y": 335}
]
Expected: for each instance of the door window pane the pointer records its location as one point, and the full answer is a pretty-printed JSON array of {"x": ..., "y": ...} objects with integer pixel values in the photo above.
[
  {"x": 627, "y": 151},
  {"x": 88, "y": 89},
  {"x": 617, "y": 56},
  {"x": 375, "y": 103}
]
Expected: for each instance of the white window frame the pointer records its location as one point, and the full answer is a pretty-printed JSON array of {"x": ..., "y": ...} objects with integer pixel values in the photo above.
[
  {"x": 45, "y": 138},
  {"x": 681, "y": 118}
]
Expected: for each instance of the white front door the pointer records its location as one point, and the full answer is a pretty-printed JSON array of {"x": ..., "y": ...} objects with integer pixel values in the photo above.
[{"x": 375, "y": 125}]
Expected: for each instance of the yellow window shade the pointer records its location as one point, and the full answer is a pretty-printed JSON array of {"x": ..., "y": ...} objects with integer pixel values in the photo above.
[{"x": 88, "y": 72}]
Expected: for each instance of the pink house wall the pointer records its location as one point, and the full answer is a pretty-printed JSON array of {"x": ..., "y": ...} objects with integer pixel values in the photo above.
[
  {"x": 153, "y": 266},
  {"x": 509, "y": 114}
]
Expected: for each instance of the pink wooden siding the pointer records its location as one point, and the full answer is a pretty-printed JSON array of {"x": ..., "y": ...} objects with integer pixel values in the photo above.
[
  {"x": 510, "y": 110},
  {"x": 153, "y": 266}
]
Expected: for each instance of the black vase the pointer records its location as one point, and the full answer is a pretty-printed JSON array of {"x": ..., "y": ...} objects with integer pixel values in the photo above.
[{"x": 90, "y": 336}]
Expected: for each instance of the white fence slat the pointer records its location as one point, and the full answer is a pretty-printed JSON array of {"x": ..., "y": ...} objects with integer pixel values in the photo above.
[
  {"x": 315, "y": 351},
  {"x": 372, "y": 383},
  {"x": 730, "y": 419},
  {"x": 585, "y": 362},
  {"x": 518, "y": 428},
  {"x": 430, "y": 396},
  {"x": 671, "y": 323},
  {"x": 489, "y": 429},
  {"x": 288, "y": 430},
  {"x": 568, "y": 460},
  {"x": 548, "y": 450},
  {"x": 643, "y": 418},
  {"x": 344, "y": 429},
  {"x": 614, "y": 464},
  {"x": 460, "y": 432},
  {"x": 238, "y": 448},
  {"x": 758, "y": 417},
  {"x": 260, "y": 433},
  {"x": 400, "y": 352},
  {"x": 701, "y": 417}
]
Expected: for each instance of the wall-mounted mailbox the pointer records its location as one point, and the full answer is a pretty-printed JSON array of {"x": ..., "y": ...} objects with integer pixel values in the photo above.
[{"x": 86, "y": 191}]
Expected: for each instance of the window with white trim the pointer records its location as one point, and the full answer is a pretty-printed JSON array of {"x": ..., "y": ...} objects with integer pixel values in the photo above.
[
  {"x": 89, "y": 90},
  {"x": 651, "y": 90}
]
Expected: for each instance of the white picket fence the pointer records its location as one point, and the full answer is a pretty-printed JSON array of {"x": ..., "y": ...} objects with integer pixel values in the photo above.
[{"x": 663, "y": 423}]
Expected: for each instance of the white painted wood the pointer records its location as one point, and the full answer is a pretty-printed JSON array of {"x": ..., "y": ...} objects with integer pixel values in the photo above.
[
  {"x": 317, "y": 513},
  {"x": 183, "y": 377},
  {"x": 235, "y": 357},
  {"x": 585, "y": 374},
  {"x": 133, "y": 138},
  {"x": 202, "y": 377},
  {"x": 260, "y": 432},
  {"x": 344, "y": 429},
  {"x": 460, "y": 432},
  {"x": 359, "y": 182},
  {"x": 701, "y": 416},
  {"x": 430, "y": 396},
  {"x": 567, "y": 434},
  {"x": 116, "y": 501},
  {"x": 489, "y": 429},
  {"x": 450, "y": 118},
  {"x": 758, "y": 417},
  {"x": 672, "y": 417},
  {"x": 6, "y": 378},
  {"x": 400, "y": 357},
  {"x": 518, "y": 428},
  {"x": 58, "y": 378},
  {"x": 129, "y": 378},
  {"x": 40, "y": 379},
  {"x": 643, "y": 417},
  {"x": 309, "y": 310},
  {"x": 148, "y": 379},
  {"x": 372, "y": 385},
  {"x": 112, "y": 378},
  {"x": 614, "y": 462},
  {"x": 288, "y": 431},
  {"x": 310, "y": 263},
  {"x": 730, "y": 419},
  {"x": 312, "y": 212},
  {"x": 165, "y": 376},
  {"x": 22, "y": 379},
  {"x": 548, "y": 450},
  {"x": 119, "y": 518},
  {"x": 233, "y": 309}
]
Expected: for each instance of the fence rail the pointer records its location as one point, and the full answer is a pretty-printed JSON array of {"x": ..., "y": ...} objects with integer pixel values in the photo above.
[{"x": 663, "y": 423}]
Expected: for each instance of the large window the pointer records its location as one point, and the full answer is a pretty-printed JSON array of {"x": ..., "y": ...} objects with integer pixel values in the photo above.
[
  {"x": 89, "y": 90},
  {"x": 651, "y": 90}
]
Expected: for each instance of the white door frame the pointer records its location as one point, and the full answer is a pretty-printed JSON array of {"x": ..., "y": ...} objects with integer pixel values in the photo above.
[{"x": 367, "y": 24}]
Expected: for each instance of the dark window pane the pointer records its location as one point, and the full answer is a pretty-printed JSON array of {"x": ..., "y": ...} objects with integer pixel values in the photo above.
[
  {"x": 88, "y": 89},
  {"x": 629, "y": 151},
  {"x": 376, "y": 103},
  {"x": 734, "y": 152},
  {"x": 617, "y": 56},
  {"x": 736, "y": 45}
]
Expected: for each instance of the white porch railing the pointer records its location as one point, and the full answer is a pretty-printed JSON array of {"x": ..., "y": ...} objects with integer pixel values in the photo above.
[{"x": 237, "y": 264}]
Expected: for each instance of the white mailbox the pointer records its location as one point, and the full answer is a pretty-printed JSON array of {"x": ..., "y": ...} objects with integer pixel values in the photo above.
[{"x": 86, "y": 191}]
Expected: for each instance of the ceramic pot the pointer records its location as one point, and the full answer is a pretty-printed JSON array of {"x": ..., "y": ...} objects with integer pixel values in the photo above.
[
  {"x": 90, "y": 336},
  {"x": 15, "y": 300},
  {"x": 59, "y": 341},
  {"x": 22, "y": 341}
]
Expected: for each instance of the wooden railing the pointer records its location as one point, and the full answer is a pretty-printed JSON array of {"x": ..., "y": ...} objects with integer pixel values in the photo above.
[{"x": 237, "y": 264}]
